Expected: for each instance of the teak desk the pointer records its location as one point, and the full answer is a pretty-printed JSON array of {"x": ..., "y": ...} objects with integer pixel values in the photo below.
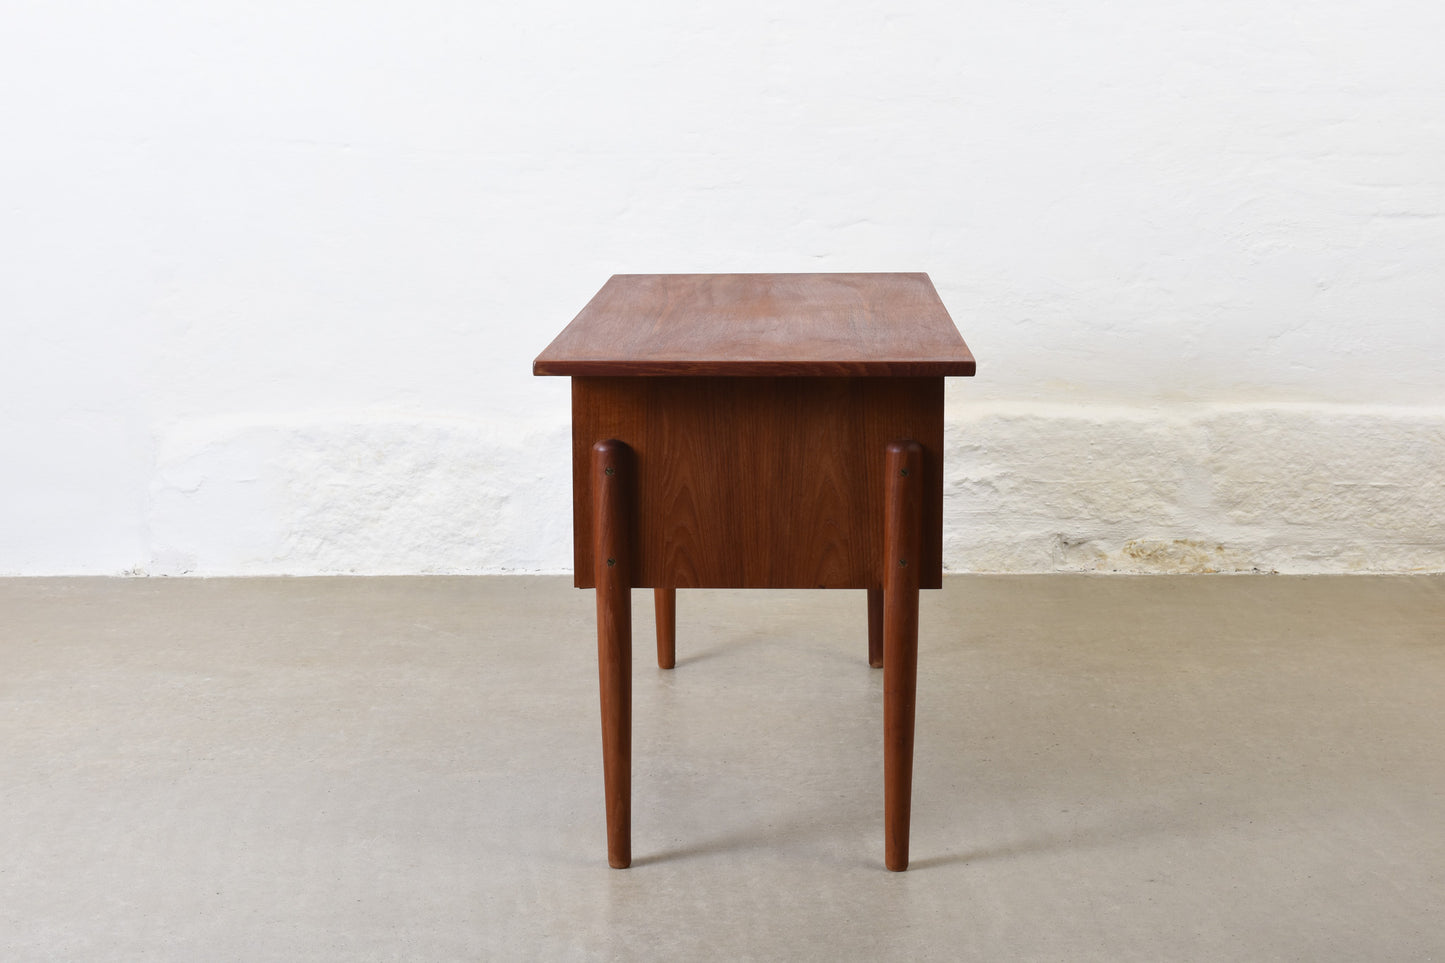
[{"x": 758, "y": 431}]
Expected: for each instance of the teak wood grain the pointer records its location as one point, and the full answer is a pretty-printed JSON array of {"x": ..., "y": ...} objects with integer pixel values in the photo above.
[
  {"x": 740, "y": 325},
  {"x": 759, "y": 482}
]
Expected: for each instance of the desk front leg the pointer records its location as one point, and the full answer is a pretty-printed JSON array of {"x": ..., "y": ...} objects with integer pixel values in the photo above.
[
  {"x": 902, "y": 536},
  {"x": 612, "y": 489}
]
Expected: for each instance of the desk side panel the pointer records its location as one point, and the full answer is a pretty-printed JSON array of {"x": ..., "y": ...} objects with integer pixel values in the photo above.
[{"x": 759, "y": 482}]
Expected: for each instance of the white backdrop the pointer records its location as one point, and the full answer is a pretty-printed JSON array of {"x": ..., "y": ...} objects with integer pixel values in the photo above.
[{"x": 272, "y": 274}]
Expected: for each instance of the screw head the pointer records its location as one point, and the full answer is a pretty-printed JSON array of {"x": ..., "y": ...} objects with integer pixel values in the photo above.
[
  {"x": 903, "y": 472},
  {"x": 609, "y": 471},
  {"x": 611, "y": 561},
  {"x": 903, "y": 562}
]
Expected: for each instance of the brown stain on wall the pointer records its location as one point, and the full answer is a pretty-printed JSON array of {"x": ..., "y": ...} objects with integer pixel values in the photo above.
[{"x": 1184, "y": 556}]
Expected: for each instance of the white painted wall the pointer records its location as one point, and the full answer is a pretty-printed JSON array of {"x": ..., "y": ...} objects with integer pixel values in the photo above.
[{"x": 272, "y": 274}]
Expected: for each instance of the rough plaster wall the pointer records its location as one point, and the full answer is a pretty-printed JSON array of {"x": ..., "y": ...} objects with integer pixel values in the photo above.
[
  {"x": 272, "y": 275},
  {"x": 1213, "y": 488},
  {"x": 378, "y": 495}
]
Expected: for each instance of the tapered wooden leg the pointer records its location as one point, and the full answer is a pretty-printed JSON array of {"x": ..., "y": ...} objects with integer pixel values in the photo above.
[
  {"x": 875, "y": 628},
  {"x": 666, "y": 599},
  {"x": 611, "y": 517},
  {"x": 902, "y": 536}
]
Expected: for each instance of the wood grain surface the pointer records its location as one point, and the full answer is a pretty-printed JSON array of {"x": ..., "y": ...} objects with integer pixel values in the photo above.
[
  {"x": 740, "y": 325},
  {"x": 759, "y": 482}
]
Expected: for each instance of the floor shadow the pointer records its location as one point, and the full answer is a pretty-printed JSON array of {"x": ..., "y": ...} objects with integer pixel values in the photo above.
[
  {"x": 1116, "y": 828},
  {"x": 718, "y": 650},
  {"x": 802, "y": 830}
]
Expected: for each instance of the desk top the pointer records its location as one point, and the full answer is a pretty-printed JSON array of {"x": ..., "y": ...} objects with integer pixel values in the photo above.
[{"x": 889, "y": 325}]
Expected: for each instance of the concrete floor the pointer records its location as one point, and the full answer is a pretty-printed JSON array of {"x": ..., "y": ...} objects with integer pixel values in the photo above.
[{"x": 1166, "y": 768}]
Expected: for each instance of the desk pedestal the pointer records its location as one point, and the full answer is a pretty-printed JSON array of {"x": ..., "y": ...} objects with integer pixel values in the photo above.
[{"x": 757, "y": 482}]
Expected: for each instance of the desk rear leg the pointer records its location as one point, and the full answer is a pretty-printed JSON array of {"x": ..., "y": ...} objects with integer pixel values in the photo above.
[
  {"x": 875, "y": 628},
  {"x": 666, "y": 599}
]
